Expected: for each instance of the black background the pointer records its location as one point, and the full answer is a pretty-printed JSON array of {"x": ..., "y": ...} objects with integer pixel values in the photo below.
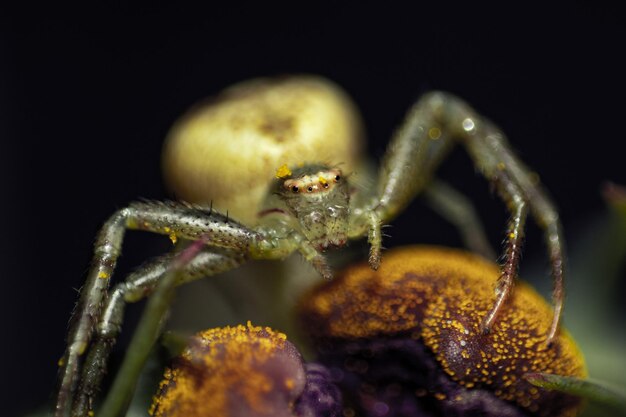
[{"x": 87, "y": 95}]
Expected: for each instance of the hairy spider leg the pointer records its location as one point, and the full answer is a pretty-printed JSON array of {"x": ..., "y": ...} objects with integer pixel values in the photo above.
[
  {"x": 178, "y": 221},
  {"x": 545, "y": 215},
  {"x": 174, "y": 220},
  {"x": 433, "y": 125},
  {"x": 512, "y": 195},
  {"x": 139, "y": 284}
]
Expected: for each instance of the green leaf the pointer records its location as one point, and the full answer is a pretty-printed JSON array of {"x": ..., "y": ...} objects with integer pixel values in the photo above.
[{"x": 585, "y": 388}]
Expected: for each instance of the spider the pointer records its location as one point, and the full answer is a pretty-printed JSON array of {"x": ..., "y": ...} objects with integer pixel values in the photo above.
[{"x": 311, "y": 207}]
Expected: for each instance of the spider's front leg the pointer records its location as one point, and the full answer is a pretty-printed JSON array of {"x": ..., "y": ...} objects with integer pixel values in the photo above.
[
  {"x": 433, "y": 125},
  {"x": 233, "y": 244},
  {"x": 173, "y": 219},
  {"x": 139, "y": 284}
]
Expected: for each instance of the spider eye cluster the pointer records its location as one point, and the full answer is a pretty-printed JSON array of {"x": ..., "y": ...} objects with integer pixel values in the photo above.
[{"x": 313, "y": 183}]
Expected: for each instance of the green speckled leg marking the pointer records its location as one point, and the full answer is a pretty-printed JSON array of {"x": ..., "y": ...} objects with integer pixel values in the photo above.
[
  {"x": 375, "y": 239},
  {"x": 431, "y": 128},
  {"x": 107, "y": 249},
  {"x": 172, "y": 219},
  {"x": 138, "y": 285}
]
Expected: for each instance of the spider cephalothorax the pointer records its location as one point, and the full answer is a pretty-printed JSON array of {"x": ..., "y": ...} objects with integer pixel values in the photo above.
[
  {"x": 319, "y": 197},
  {"x": 309, "y": 208}
]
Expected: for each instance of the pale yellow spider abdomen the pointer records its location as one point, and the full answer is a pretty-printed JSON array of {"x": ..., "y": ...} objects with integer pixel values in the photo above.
[{"x": 227, "y": 151}]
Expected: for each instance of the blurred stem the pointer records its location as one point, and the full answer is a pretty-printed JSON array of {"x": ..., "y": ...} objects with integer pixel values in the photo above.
[{"x": 596, "y": 266}]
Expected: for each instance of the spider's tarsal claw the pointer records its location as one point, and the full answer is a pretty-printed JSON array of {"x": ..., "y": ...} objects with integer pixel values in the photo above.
[
  {"x": 321, "y": 266},
  {"x": 374, "y": 259},
  {"x": 554, "y": 330},
  {"x": 485, "y": 328},
  {"x": 492, "y": 315},
  {"x": 327, "y": 273}
]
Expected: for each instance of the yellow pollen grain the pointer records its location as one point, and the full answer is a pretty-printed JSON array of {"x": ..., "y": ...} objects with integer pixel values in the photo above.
[
  {"x": 103, "y": 275},
  {"x": 82, "y": 347},
  {"x": 322, "y": 180},
  {"x": 283, "y": 171},
  {"x": 173, "y": 238}
]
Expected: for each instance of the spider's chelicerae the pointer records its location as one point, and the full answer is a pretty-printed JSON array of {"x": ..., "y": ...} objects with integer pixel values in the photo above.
[{"x": 311, "y": 207}]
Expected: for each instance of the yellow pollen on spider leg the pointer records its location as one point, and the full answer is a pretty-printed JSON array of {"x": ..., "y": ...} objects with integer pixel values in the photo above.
[
  {"x": 103, "y": 275},
  {"x": 82, "y": 347},
  {"x": 171, "y": 234}
]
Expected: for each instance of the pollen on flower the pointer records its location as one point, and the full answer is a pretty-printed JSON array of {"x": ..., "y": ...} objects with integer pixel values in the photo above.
[
  {"x": 434, "y": 299},
  {"x": 515, "y": 345},
  {"x": 248, "y": 367}
]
